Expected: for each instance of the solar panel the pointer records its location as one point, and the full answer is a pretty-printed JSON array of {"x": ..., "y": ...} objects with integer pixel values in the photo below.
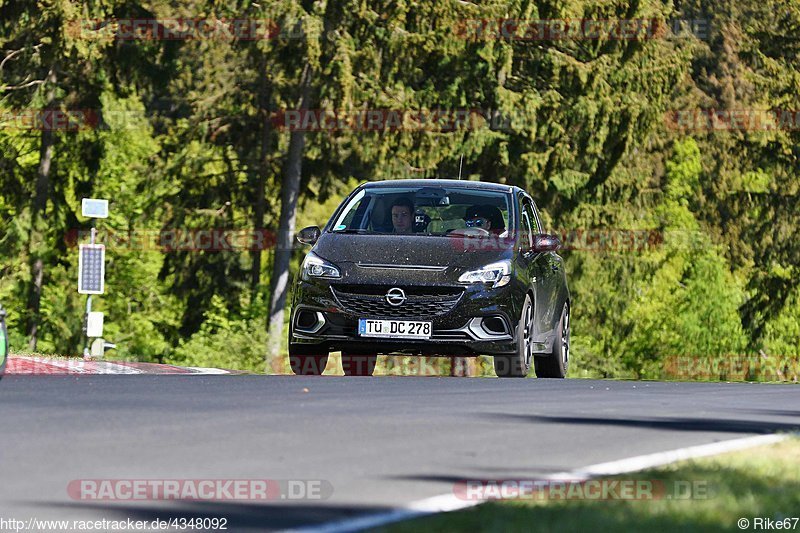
[{"x": 91, "y": 269}]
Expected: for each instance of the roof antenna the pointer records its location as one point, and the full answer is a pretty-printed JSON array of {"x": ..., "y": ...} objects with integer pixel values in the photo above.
[{"x": 460, "y": 164}]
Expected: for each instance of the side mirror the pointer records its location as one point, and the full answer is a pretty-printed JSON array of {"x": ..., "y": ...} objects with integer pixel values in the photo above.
[
  {"x": 309, "y": 235},
  {"x": 543, "y": 242}
]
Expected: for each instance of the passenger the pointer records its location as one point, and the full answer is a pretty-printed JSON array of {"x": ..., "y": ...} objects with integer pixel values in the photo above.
[{"x": 486, "y": 217}]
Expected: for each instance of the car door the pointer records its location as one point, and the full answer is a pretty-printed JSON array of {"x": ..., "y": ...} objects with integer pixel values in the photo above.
[
  {"x": 552, "y": 276},
  {"x": 534, "y": 264}
]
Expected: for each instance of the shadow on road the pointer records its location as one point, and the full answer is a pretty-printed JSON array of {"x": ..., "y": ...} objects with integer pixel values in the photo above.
[
  {"x": 672, "y": 424},
  {"x": 770, "y": 412},
  {"x": 527, "y": 472}
]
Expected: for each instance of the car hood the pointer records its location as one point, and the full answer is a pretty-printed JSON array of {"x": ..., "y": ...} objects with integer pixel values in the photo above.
[{"x": 460, "y": 253}]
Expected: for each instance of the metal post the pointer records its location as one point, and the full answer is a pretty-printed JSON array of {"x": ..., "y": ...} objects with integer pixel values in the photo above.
[{"x": 86, "y": 354}]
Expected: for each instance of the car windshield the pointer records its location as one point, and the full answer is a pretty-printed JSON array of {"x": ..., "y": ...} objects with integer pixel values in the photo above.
[{"x": 437, "y": 211}]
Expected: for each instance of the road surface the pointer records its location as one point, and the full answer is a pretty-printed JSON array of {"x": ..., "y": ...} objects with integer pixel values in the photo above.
[{"x": 376, "y": 443}]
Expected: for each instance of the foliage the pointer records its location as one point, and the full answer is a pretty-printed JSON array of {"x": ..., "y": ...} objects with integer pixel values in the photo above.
[
  {"x": 224, "y": 341},
  {"x": 188, "y": 138}
]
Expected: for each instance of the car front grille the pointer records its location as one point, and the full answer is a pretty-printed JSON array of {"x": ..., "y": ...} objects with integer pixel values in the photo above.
[{"x": 421, "y": 302}]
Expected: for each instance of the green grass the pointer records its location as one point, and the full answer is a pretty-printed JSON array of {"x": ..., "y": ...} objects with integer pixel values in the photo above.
[{"x": 760, "y": 482}]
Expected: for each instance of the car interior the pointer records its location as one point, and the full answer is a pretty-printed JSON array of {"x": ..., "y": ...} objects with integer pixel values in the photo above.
[{"x": 437, "y": 212}]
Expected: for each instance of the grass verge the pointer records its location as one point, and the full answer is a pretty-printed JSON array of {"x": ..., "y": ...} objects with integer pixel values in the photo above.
[{"x": 710, "y": 494}]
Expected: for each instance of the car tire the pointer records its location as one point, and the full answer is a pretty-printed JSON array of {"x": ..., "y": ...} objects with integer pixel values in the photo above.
[
  {"x": 556, "y": 364},
  {"x": 307, "y": 360},
  {"x": 354, "y": 364},
  {"x": 519, "y": 364}
]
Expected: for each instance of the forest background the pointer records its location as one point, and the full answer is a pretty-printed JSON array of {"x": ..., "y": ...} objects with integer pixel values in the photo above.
[{"x": 660, "y": 140}]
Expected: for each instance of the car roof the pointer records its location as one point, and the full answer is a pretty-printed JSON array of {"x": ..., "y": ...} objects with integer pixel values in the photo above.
[{"x": 464, "y": 184}]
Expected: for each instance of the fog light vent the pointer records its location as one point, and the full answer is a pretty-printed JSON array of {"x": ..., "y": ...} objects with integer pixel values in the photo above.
[
  {"x": 309, "y": 321},
  {"x": 494, "y": 325}
]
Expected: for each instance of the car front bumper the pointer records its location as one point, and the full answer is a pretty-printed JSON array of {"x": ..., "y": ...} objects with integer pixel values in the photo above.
[{"x": 319, "y": 317}]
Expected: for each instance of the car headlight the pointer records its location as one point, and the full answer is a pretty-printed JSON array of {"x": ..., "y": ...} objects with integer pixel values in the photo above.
[
  {"x": 497, "y": 274},
  {"x": 316, "y": 267}
]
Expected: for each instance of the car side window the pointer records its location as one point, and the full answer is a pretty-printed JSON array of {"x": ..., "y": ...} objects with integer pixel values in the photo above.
[
  {"x": 527, "y": 235},
  {"x": 527, "y": 208},
  {"x": 538, "y": 219}
]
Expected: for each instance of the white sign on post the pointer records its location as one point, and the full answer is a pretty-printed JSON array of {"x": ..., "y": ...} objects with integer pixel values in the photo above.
[
  {"x": 94, "y": 208},
  {"x": 94, "y": 324}
]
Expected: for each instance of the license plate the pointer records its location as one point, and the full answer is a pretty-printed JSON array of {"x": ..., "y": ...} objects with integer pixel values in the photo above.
[{"x": 394, "y": 329}]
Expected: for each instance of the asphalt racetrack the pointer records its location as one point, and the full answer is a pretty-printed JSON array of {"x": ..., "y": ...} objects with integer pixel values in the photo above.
[{"x": 365, "y": 445}]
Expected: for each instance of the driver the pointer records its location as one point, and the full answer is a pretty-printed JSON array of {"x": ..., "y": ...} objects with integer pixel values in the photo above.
[
  {"x": 403, "y": 215},
  {"x": 487, "y": 217}
]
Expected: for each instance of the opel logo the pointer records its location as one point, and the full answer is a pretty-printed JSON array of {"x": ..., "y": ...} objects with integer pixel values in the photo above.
[{"x": 395, "y": 296}]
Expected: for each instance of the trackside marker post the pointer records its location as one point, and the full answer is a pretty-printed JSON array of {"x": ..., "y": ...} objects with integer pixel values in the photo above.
[{"x": 91, "y": 275}]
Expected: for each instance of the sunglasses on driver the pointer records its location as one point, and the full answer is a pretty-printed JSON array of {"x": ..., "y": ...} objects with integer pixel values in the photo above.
[{"x": 477, "y": 222}]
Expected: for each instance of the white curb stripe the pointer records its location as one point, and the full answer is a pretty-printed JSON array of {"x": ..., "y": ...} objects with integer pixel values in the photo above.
[
  {"x": 442, "y": 503},
  {"x": 113, "y": 368},
  {"x": 450, "y": 502},
  {"x": 642, "y": 462},
  {"x": 207, "y": 371}
]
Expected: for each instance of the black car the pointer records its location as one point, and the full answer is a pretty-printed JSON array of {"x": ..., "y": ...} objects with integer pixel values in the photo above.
[{"x": 432, "y": 267}]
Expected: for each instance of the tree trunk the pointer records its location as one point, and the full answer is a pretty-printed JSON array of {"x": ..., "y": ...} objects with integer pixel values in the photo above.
[
  {"x": 263, "y": 170},
  {"x": 290, "y": 190},
  {"x": 39, "y": 207}
]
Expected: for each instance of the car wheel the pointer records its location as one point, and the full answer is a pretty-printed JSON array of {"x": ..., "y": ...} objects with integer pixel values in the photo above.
[
  {"x": 556, "y": 364},
  {"x": 307, "y": 360},
  {"x": 355, "y": 364},
  {"x": 519, "y": 364}
]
